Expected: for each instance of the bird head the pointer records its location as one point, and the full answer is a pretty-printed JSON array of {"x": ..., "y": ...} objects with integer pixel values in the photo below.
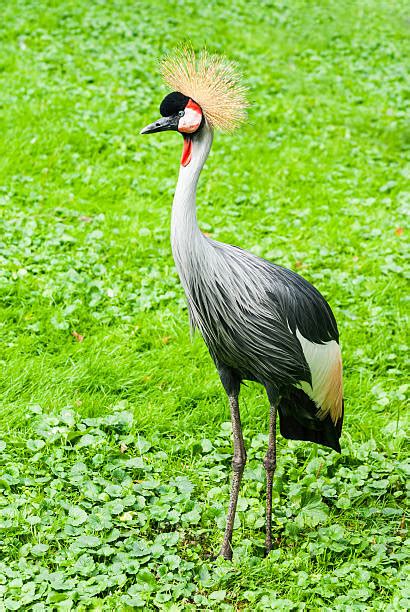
[
  {"x": 182, "y": 114},
  {"x": 207, "y": 91}
]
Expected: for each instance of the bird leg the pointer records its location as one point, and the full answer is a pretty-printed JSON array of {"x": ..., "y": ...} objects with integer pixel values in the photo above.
[
  {"x": 269, "y": 463},
  {"x": 238, "y": 464}
]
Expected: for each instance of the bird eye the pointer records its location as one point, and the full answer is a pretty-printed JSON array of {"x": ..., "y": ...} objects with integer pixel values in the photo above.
[{"x": 181, "y": 113}]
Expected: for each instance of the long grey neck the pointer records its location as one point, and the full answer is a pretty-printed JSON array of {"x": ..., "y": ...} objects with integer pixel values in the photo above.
[{"x": 187, "y": 240}]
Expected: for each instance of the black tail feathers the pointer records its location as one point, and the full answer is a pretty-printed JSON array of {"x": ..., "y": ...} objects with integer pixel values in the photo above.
[{"x": 298, "y": 421}]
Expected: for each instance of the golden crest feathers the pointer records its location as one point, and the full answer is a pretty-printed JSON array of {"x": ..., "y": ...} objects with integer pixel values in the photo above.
[{"x": 211, "y": 81}]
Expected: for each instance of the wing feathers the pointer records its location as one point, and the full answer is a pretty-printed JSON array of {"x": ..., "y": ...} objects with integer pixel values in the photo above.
[{"x": 325, "y": 363}]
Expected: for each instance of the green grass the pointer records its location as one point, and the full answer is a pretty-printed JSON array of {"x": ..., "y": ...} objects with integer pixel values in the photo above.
[{"x": 116, "y": 450}]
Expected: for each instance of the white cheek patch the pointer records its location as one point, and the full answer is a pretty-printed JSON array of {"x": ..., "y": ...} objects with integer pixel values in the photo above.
[{"x": 191, "y": 120}]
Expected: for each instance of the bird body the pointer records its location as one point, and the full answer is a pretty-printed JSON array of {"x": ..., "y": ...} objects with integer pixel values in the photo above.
[
  {"x": 265, "y": 322},
  {"x": 260, "y": 321}
]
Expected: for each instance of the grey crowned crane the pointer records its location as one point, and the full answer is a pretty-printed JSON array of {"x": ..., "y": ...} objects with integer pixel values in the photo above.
[{"x": 260, "y": 322}]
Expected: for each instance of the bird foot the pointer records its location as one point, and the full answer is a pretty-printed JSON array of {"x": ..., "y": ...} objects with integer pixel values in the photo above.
[
  {"x": 271, "y": 545},
  {"x": 226, "y": 552}
]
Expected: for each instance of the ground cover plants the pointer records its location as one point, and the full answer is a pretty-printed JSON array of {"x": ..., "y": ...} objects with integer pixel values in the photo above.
[{"x": 114, "y": 436}]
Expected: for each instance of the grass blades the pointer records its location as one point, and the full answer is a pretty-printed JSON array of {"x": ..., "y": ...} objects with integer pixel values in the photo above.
[{"x": 114, "y": 442}]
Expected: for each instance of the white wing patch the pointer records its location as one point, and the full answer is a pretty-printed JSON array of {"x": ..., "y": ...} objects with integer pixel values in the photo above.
[{"x": 325, "y": 363}]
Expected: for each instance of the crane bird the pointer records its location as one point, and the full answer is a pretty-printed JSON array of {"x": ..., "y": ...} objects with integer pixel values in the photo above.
[{"x": 260, "y": 321}]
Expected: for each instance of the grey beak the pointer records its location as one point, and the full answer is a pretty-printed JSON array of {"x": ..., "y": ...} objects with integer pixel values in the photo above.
[{"x": 161, "y": 125}]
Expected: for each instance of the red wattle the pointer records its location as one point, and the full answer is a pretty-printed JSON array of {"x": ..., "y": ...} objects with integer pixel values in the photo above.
[{"x": 186, "y": 152}]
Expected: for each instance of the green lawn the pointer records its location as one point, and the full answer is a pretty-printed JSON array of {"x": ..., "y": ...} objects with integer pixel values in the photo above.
[{"x": 115, "y": 446}]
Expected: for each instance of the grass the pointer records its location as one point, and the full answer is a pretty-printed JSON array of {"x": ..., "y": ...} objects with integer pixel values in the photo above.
[{"x": 116, "y": 450}]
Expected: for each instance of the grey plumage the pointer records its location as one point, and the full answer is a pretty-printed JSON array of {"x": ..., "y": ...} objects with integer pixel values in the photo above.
[
  {"x": 260, "y": 321},
  {"x": 246, "y": 308}
]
